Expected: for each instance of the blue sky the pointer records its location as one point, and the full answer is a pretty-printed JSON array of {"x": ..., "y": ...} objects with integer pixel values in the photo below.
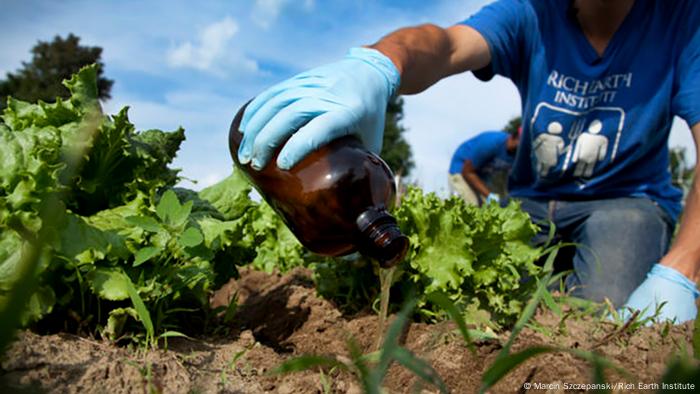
[{"x": 193, "y": 64}]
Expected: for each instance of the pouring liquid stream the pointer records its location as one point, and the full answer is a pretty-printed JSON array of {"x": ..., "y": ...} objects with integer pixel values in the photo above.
[{"x": 386, "y": 276}]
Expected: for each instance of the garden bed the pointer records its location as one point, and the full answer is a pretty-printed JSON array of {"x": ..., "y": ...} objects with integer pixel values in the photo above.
[{"x": 281, "y": 316}]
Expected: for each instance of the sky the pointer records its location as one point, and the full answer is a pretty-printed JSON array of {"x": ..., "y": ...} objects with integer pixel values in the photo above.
[{"x": 193, "y": 64}]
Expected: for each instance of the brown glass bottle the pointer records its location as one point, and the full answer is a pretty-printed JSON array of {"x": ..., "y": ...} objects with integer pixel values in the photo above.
[{"x": 335, "y": 200}]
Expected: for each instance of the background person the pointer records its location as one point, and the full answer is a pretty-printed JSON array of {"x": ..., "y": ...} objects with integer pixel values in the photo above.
[
  {"x": 632, "y": 65},
  {"x": 480, "y": 166}
]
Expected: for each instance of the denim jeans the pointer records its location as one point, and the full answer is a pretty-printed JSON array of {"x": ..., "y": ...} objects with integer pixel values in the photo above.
[{"x": 618, "y": 241}]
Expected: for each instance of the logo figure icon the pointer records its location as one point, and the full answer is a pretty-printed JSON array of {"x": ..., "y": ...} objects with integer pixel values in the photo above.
[
  {"x": 569, "y": 143},
  {"x": 591, "y": 147},
  {"x": 548, "y": 147}
]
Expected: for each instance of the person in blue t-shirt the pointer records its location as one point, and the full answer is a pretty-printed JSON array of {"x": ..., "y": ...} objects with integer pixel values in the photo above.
[
  {"x": 600, "y": 83},
  {"x": 478, "y": 164}
]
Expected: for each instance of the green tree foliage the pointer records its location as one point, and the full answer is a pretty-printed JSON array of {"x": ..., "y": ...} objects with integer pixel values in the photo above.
[
  {"x": 681, "y": 172},
  {"x": 52, "y": 62},
  {"x": 512, "y": 126},
  {"x": 396, "y": 151}
]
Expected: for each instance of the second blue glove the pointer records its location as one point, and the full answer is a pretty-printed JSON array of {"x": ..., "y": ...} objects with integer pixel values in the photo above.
[{"x": 664, "y": 284}]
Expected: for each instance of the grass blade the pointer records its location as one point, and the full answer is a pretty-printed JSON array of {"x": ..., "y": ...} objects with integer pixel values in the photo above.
[
  {"x": 171, "y": 334},
  {"x": 680, "y": 371},
  {"x": 599, "y": 375},
  {"x": 504, "y": 365},
  {"x": 141, "y": 310},
  {"x": 420, "y": 368},
  {"x": 441, "y": 300},
  {"x": 303, "y": 363},
  {"x": 551, "y": 304}
]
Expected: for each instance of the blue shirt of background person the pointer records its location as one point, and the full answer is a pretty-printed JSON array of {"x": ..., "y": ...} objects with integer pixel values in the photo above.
[
  {"x": 595, "y": 126},
  {"x": 487, "y": 152}
]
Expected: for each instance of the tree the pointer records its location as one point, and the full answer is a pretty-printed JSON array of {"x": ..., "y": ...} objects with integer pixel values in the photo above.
[
  {"x": 396, "y": 151},
  {"x": 681, "y": 172},
  {"x": 513, "y": 125},
  {"x": 52, "y": 62}
]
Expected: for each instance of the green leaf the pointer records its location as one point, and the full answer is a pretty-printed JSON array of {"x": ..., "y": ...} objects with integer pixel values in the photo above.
[
  {"x": 180, "y": 217},
  {"x": 420, "y": 368},
  {"x": 167, "y": 206},
  {"x": 141, "y": 309},
  {"x": 391, "y": 344},
  {"x": 448, "y": 306},
  {"x": 145, "y": 254},
  {"x": 41, "y": 302},
  {"x": 303, "y": 363},
  {"x": 83, "y": 86},
  {"x": 503, "y": 365},
  {"x": 551, "y": 303},
  {"x": 230, "y": 196},
  {"x": 231, "y": 309},
  {"x": 10, "y": 256},
  {"x": 117, "y": 320},
  {"x": 171, "y": 334},
  {"x": 84, "y": 242},
  {"x": 191, "y": 237},
  {"x": 680, "y": 371},
  {"x": 145, "y": 222},
  {"x": 110, "y": 284},
  {"x": 170, "y": 210}
]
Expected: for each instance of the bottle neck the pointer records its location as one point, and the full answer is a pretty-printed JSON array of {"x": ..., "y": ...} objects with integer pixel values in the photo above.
[{"x": 380, "y": 237}]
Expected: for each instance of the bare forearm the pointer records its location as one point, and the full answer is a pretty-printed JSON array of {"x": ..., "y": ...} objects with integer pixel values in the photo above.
[
  {"x": 684, "y": 255},
  {"x": 477, "y": 184},
  {"x": 427, "y": 53},
  {"x": 472, "y": 178}
]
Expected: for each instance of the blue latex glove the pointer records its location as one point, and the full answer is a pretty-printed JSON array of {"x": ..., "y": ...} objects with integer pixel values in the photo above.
[
  {"x": 664, "y": 284},
  {"x": 318, "y": 106},
  {"x": 493, "y": 197}
]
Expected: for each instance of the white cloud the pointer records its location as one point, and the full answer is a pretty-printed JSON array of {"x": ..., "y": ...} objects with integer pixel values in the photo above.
[
  {"x": 211, "y": 49},
  {"x": 266, "y": 12}
]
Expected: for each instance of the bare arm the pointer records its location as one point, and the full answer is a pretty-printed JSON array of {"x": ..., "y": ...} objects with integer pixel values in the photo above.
[
  {"x": 684, "y": 255},
  {"x": 472, "y": 178},
  {"x": 427, "y": 53}
]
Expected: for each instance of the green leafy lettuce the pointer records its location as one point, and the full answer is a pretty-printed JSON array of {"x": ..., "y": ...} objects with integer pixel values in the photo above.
[
  {"x": 480, "y": 258},
  {"x": 122, "y": 223}
]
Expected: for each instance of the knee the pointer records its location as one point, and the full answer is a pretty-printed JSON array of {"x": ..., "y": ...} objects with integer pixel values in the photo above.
[
  {"x": 632, "y": 226},
  {"x": 633, "y": 217}
]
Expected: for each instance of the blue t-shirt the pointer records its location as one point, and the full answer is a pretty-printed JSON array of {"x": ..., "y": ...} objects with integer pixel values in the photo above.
[
  {"x": 596, "y": 126},
  {"x": 487, "y": 152}
]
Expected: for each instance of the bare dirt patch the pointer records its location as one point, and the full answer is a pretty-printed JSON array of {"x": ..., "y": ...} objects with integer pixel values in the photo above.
[{"x": 280, "y": 316}]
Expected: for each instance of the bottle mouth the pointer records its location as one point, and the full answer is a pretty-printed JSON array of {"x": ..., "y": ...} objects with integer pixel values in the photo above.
[{"x": 381, "y": 238}]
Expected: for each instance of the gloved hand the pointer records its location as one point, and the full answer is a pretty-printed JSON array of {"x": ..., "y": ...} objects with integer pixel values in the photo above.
[
  {"x": 664, "y": 284},
  {"x": 493, "y": 197},
  {"x": 318, "y": 106}
]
